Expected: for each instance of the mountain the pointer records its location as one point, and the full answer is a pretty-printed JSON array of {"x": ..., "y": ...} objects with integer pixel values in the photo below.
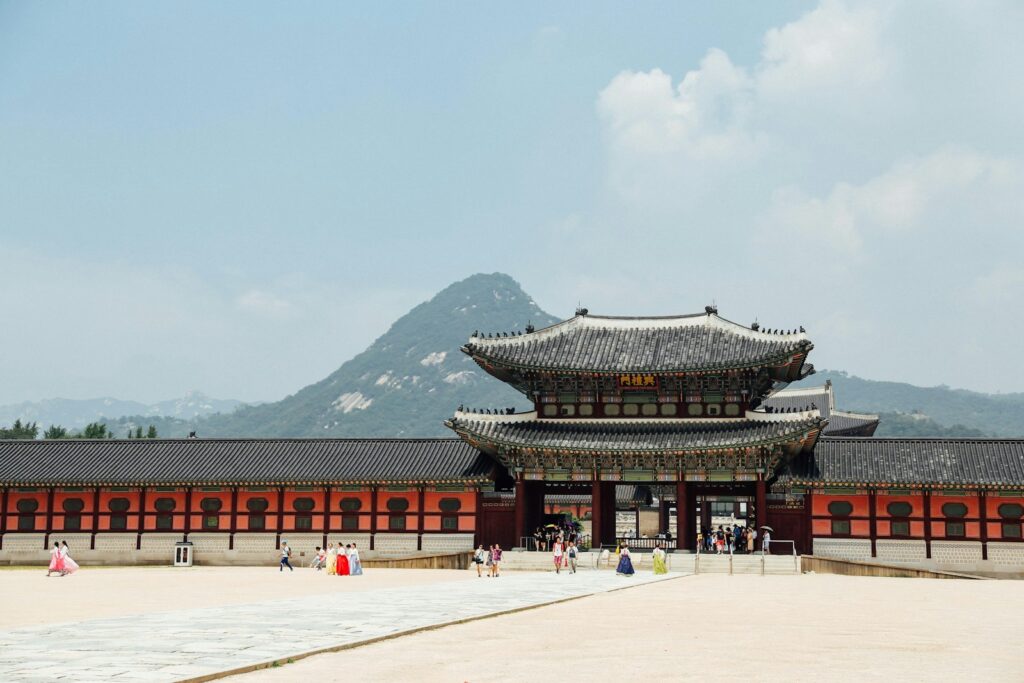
[
  {"x": 409, "y": 380},
  {"x": 968, "y": 413},
  {"x": 76, "y": 413}
]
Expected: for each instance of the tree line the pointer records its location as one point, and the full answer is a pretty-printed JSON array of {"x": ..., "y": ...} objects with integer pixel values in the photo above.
[{"x": 93, "y": 430}]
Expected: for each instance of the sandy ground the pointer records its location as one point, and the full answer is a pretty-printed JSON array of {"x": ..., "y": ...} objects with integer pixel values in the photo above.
[
  {"x": 717, "y": 627},
  {"x": 29, "y": 597}
]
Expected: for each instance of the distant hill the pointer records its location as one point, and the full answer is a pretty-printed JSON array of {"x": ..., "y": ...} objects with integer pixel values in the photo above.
[
  {"x": 77, "y": 413},
  {"x": 414, "y": 376},
  {"x": 408, "y": 381},
  {"x": 968, "y": 413}
]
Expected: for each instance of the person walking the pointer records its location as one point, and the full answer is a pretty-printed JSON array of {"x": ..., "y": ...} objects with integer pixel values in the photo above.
[
  {"x": 496, "y": 561},
  {"x": 573, "y": 553},
  {"x": 556, "y": 551},
  {"x": 766, "y": 543},
  {"x": 355, "y": 564},
  {"x": 332, "y": 560},
  {"x": 286, "y": 556},
  {"x": 479, "y": 558},
  {"x": 658, "y": 559},
  {"x": 56, "y": 561},
  {"x": 625, "y": 567},
  {"x": 69, "y": 565},
  {"x": 750, "y": 540},
  {"x": 343, "y": 564}
]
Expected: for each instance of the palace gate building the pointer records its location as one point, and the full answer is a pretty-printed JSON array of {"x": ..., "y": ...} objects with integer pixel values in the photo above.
[{"x": 683, "y": 412}]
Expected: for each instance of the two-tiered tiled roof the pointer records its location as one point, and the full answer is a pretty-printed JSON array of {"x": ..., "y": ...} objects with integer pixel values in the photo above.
[
  {"x": 240, "y": 461},
  {"x": 524, "y": 430},
  {"x": 605, "y": 344}
]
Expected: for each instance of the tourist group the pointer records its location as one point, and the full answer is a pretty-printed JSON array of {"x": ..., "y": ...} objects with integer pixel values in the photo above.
[
  {"x": 60, "y": 560},
  {"x": 488, "y": 557},
  {"x": 732, "y": 539},
  {"x": 337, "y": 561}
]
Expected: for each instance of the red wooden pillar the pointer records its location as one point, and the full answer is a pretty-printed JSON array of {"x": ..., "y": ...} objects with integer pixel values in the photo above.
[
  {"x": 809, "y": 522},
  {"x": 927, "y": 498},
  {"x": 142, "y": 518},
  {"x": 280, "y": 515},
  {"x": 873, "y": 521},
  {"x": 188, "y": 511},
  {"x": 49, "y": 518},
  {"x": 3, "y": 516},
  {"x": 596, "y": 513},
  {"x": 761, "y": 503},
  {"x": 233, "y": 525},
  {"x": 95, "y": 518},
  {"x": 521, "y": 505},
  {"x": 662, "y": 516},
  {"x": 373, "y": 514},
  {"x": 478, "y": 506},
  {"x": 983, "y": 523},
  {"x": 327, "y": 515},
  {"x": 684, "y": 526},
  {"x": 421, "y": 501}
]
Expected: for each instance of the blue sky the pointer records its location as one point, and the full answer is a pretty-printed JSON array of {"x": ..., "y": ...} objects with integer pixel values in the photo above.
[{"x": 238, "y": 197}]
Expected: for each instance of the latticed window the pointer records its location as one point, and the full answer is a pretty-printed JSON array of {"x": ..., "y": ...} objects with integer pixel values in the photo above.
[
  {"x": 119, "y": 513},
  {"x": 397, "y": 508},
  {"x": 1011, "y": 514},
  {"x": 350, "y": 508},
  {"x": 257, "y": 508},
  {"x": 164, "y": 506},
  {"x": 303, "y": 506},
  {"x": 210, "y": 508},
  {"x": 451, "y": 507},
  {"x": 73, "y": 513},
  {"x": 840, "y": 511},
  {"x": 898, "y": 526},
  {"x": 27, "y": 514},
  {"x": 954, "y": 512}
]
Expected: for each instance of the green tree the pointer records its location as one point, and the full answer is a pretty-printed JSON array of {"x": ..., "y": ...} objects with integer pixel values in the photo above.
[
  {"x": 96, "y": 430},
  {"x": 151, "y": 434},
  {"x": 138, "y": 432},
  {"x": 19, "y": 430},
  {"x": 55, "y": 432}
]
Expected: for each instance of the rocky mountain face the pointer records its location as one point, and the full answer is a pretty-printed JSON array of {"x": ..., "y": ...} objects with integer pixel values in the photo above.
[{"x": 410, "y": 379}]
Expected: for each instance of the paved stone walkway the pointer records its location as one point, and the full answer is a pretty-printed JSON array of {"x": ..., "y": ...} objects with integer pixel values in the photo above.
[{"x": 171, "y": 646}]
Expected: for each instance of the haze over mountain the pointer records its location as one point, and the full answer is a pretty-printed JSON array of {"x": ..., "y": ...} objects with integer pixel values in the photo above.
[
  {"x": 412, "y": 378},
  {"x": 77, "y": 413}
]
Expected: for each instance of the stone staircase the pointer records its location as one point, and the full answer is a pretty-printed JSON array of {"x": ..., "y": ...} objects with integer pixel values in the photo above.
[{"x": 745, "y": 564}]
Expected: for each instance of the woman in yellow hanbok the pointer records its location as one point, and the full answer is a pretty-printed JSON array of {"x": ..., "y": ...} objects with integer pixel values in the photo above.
[
  {"x": 659, "y": 560},
  {"x": 332, "y": 560}
]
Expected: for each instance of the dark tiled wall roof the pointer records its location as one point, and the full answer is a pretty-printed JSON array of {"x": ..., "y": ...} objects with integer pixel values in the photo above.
[
  {"x": 633, "y": 436},
  {"x": 625, "y": 494},
  {"x": 585, "y": 344},
  {"x": 839, "y": 422},
  {"x": 241, "y": 461},
  {"x": 988, "y": 462}
]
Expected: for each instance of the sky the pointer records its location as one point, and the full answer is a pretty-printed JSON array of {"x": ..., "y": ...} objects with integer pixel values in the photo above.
[{"x": 238, "y": 197}]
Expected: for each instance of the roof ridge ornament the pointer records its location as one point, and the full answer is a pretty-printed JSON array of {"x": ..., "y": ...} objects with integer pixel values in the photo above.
[
  {"x": 580, "y": 311},
  {"x": 712, "y": 309}
]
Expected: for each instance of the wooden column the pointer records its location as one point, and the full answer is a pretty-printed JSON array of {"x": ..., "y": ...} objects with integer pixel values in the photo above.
[
  {"x": 809, "y": 522},
  {"x": 636, "y": 520},
  {"x": 927, "y": 498},
  {"x": 983, "y": 523},
  {"x": 521, "y": 505},
  {"x": 3, "y": 516},
  {"x": 873, "y": 521},
  {"x": 233, "y": 526},
  {"x": 420, "y": 502},
  {"x": 596, "y": 507},
  {"x": 663, "y": 516},
  {"x": 327, "y": 514},
  {"x": 49, "y": 518},
  {"x": 188, "y": 512},
  {"x": 684, "y": 526},
  {"x": 142, "y": 518},
  {"x": 761, "y": 502},
  {"x": 373, "y": 514},
  {"x": 479, "y": 505},
  {"x": 608, "y": 502},
  {"x": 95, "y": 518},
  {"x": 280, "y": 515}
]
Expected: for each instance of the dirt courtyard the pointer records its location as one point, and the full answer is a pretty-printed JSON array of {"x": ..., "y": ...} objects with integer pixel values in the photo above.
[{"x": 717, "y": 627}]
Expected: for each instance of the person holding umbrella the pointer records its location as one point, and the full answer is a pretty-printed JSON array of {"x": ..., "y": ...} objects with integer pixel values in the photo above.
[{"x": 766, "y": 539}]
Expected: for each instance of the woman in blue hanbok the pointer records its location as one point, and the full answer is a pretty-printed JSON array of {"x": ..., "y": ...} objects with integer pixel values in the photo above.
[
  {"x": 355, "y": 564},
  {"x": 625, "y": 567}
]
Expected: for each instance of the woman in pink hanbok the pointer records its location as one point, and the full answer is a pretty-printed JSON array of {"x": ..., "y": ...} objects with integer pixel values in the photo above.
[
  {"x": 70, "y": 566},
  {"x": 56, "y": 560}
]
